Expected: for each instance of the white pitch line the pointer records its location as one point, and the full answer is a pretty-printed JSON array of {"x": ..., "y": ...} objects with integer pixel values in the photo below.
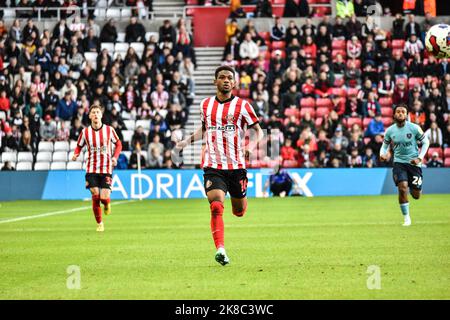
[{"x": 54, "y": 213}]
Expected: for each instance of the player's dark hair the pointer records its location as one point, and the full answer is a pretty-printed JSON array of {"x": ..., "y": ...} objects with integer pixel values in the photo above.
[
  {"x": 95, "y": 106},
  {"x": 222, "y": 68},
  {"x": 401, "y": 105}
]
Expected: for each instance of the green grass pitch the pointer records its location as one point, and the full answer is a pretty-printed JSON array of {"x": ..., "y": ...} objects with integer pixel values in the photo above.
[{"x": 288, "y": 248}]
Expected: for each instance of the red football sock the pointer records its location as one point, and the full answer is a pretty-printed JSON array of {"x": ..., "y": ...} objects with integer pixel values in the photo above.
[
  {"x": 105, "y": 201},
  {"x": 96, "y": 208},
  {"x": 240, "y": 213},
  {"x": 217, "y": 228}
]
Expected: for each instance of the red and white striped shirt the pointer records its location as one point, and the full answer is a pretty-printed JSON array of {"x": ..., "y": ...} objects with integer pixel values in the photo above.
[
  {"x": 225, "y": 124},
  {"x": 99, "y": 147}
]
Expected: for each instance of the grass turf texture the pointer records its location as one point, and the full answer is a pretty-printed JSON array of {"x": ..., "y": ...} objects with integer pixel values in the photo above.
[{"x": 289, "y": 248}]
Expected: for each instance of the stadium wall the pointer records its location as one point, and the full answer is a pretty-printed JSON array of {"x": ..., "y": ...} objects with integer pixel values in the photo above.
[{"x": 166, "y": 184}]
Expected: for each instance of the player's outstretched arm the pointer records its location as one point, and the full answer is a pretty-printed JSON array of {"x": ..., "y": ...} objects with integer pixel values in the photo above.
[{"x": 197, "y": 135}]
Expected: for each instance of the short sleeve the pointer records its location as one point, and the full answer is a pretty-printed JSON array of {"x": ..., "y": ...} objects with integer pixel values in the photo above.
[
  {"x": 419, "y": 133},
  {"x": 114, "y": 136},
  {"x": 249, "y": 114},
  {"x": 81, "y": 139}
]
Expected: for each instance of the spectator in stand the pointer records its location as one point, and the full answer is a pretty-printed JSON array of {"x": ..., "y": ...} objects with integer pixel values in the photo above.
[
  {"x": 375, "y": 126},
  {"x": 412, "y": 27},
  {"x": 287, "y": 151},
  {"x": 263, "y": 9},
  {"x": 48, "y": 129},
  {"x": 306, "y": 158},
  {"x": 344, "y": 9},
  {"x": 338, "y": 157},
  {"x": 135, "y": 31},
  {"x": 248, "y": 48},
  {"x": 232, "y": 30},
  {"x": 66, "y": 107},
  {"x": 434, "y": 134},
  {"x": 386, "y": 86},
  {"x": 155, "y": 159},
  {"x": 369, "y": 159},
  {"x": 109, "y": 32},
  {"x": 278, "y": 31},
  {"x": 353, "y": 28},
  {"x": 291, "y": 9},
  {"x": 413, "y": 46},
  {"x": 91, "y": 43},
  {"x": 417, "y": 115},
  {"x": 354, "y": 159},
  {"x": 371, "y": 107},
  {"x": 354, "y": 48},
  {"x": 133, "y": 164},
  {"x": 435, "y": 162},
  {"x": 339, "y": 138}
]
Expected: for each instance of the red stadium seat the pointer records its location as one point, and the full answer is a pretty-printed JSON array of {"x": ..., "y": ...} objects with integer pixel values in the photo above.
[
  {"x": 387, "y": 121},
  {"x": 338, "y": 44},
  {"x": 322, "y": 111},
  {"x": 278, "y": 1},
  {"x": 366, "y": 122},
  {"x": 322, "y": 11},
  {"x": 431, "y": 150},
  {"x": 398, "y": 44},
  {"x": 447, "y": 162},
  {"x": 289, "y": 112},
  {"x": 323, "y": 102},
  {"x": 413, "y": 81},
  {"x": 351, "y": 121},
  {"x": 385, "y": 102},
  {"x": 339, "y": 92},
  {"x": 307, "y": 103},
  {"x": 278, "y": 45},
  {"x": 311, "y": 111},
  {"x": 447, "y": 152},
  {"x": 265, "y": 35},
  {"x": 387, "y": 111}
]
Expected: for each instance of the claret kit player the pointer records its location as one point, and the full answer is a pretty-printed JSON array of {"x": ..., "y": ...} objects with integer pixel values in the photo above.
[
  {"x": 100, "y": 161},
  {"x": 225, "y": 118},
  {"x": 405, "y": 136}
]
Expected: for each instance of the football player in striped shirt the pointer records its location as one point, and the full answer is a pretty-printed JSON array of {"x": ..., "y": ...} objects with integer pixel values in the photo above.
[
  {"x": 225, "y": 118},
  {"x": 99, "y": 139}
]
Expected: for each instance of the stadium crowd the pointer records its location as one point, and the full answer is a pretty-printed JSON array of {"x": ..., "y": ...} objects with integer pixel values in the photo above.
[
  {"x": 330, "y": 88},
  {"x": 50, "y": 77}
]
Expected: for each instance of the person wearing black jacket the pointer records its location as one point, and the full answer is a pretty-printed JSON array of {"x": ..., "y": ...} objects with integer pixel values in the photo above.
[
  {"x": 135, "y": 31},
  {"x": 167, "y": 32},
  {"x": 109, "y": 32},
  {"x": 290, "y": 9},
  {"x": 263, "y": 9}
]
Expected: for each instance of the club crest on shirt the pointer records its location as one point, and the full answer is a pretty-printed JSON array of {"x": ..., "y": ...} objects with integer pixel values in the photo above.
[
  {"x": 229, "y": 118},
  {"x": 208, "y": 184},
  {"x": 409, "y": 135}
]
